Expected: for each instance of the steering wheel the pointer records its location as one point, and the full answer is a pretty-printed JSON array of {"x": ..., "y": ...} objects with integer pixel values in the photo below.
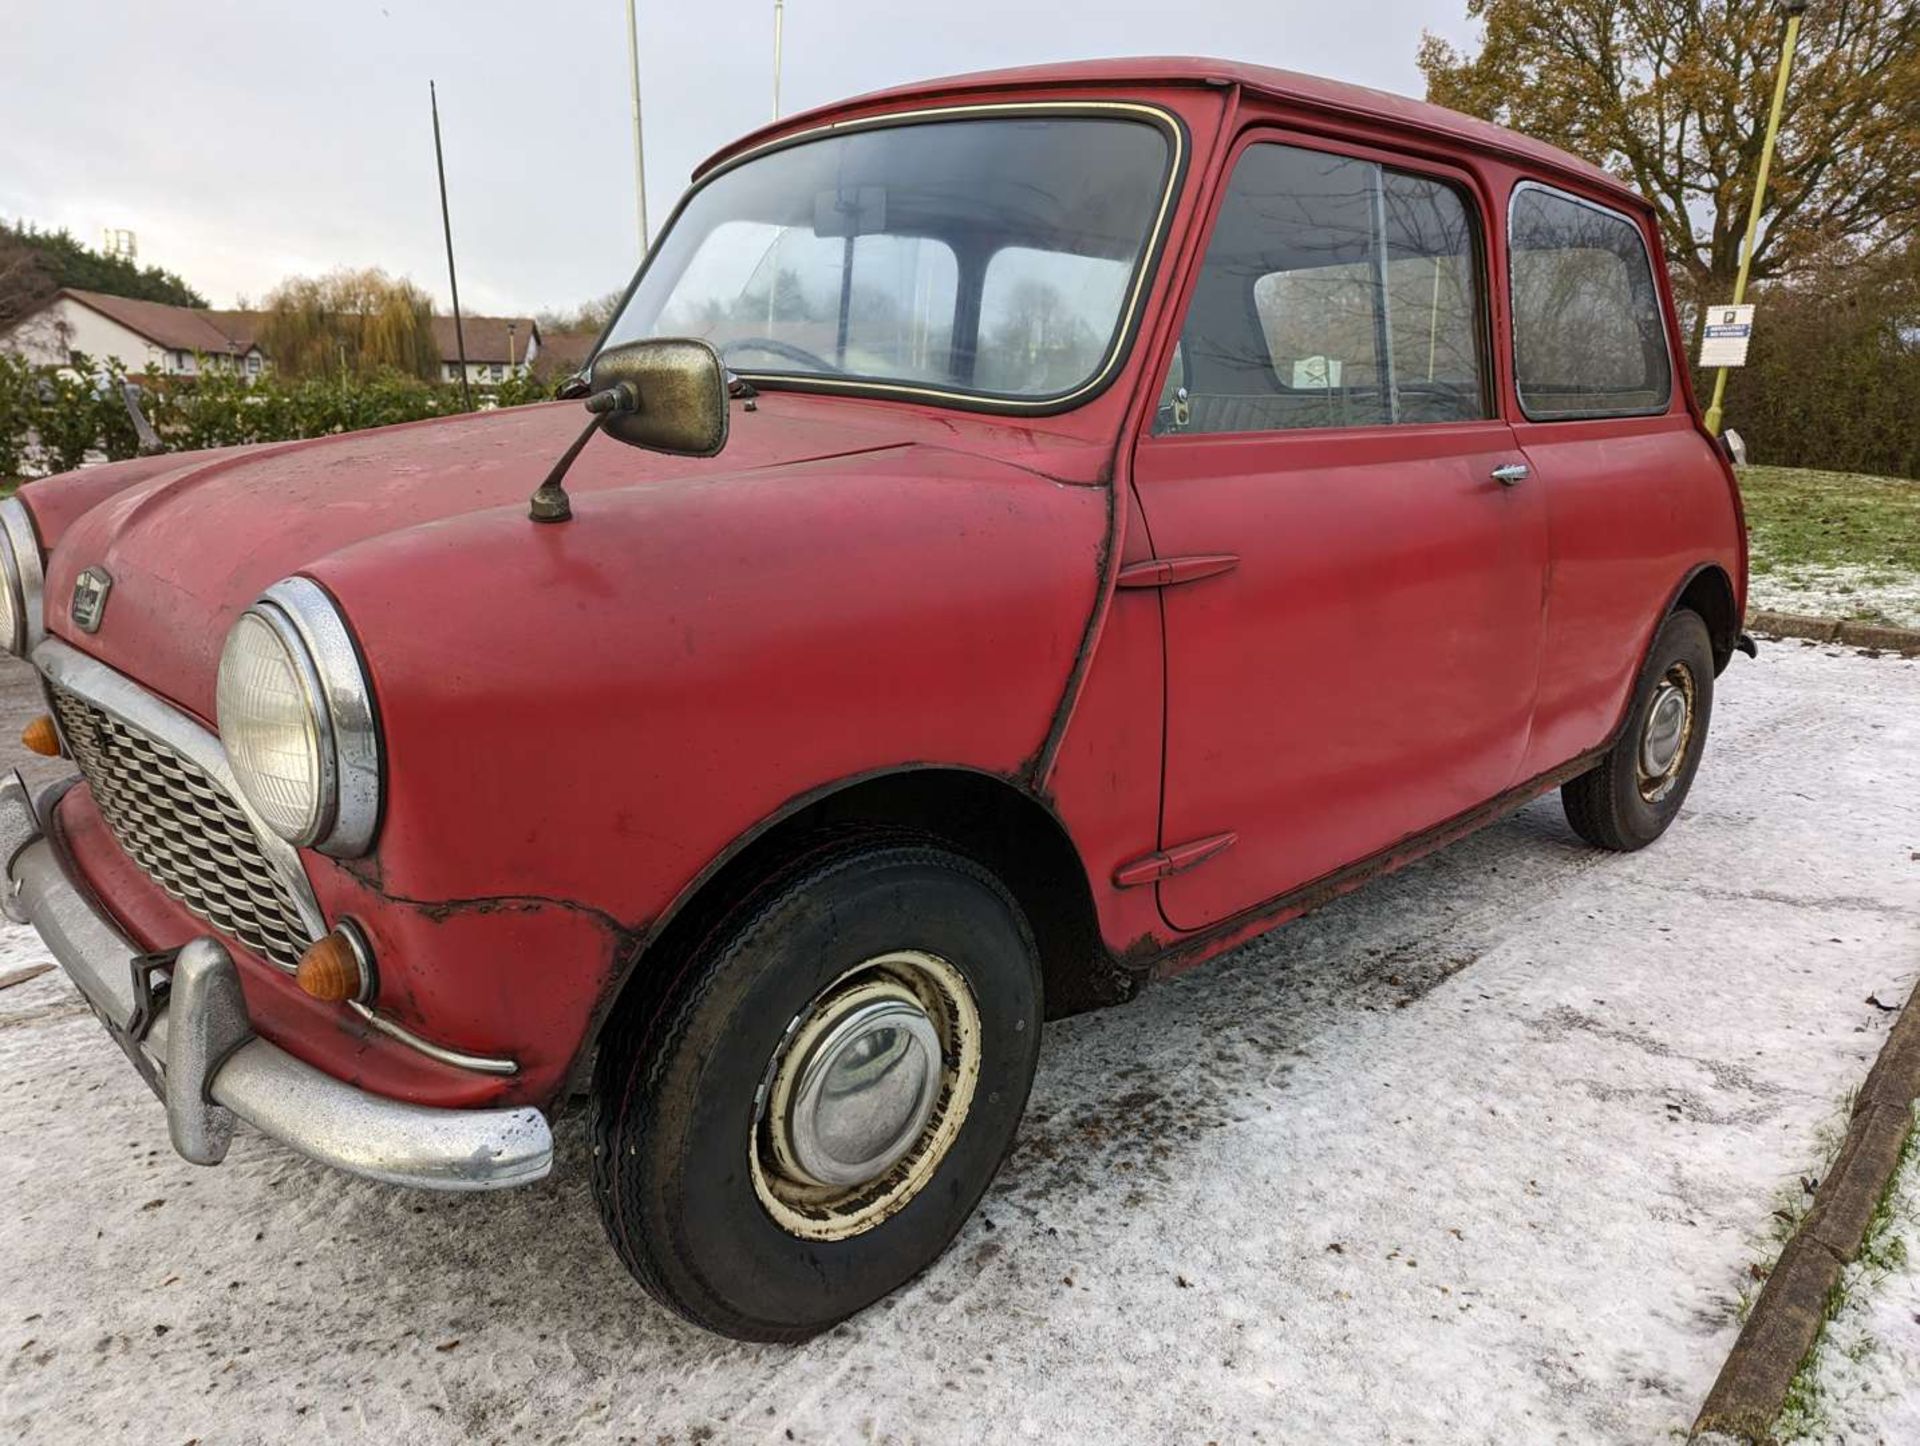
[{"x": 783, "y": 349}]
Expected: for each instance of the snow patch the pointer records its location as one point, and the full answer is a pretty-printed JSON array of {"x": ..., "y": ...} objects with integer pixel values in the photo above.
[{"x": 1839, "y": 591}]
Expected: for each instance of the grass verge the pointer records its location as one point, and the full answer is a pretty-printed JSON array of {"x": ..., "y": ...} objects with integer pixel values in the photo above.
[{"x": 1836, "y": 535}]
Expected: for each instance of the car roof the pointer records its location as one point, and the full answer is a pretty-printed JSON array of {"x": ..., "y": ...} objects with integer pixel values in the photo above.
[{"x": 1311, "y": 92}]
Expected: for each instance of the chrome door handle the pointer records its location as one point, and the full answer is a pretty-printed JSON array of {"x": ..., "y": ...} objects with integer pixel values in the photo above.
[{"x": 1512, "y": 474}]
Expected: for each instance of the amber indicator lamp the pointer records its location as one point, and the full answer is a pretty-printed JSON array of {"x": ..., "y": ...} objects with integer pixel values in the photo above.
[
  {"x": 335, "y": 970},
  {"x": 41, "y": 737}
]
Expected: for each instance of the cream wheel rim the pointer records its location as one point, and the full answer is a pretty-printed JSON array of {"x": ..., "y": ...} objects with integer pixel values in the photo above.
[
  {"x": 864, "y": 1095},
  {"x": 1665, "y": 736}
]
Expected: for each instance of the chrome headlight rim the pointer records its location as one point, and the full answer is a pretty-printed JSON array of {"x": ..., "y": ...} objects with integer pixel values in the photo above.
[
  {"x": 307, "y": 623},
  {"x": 22, "y": 575}
]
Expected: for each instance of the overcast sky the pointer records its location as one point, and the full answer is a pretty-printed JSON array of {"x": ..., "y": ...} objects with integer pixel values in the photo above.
[{"x": 243, "y": 142}]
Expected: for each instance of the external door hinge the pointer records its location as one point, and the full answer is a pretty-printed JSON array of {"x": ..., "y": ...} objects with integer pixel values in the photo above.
[
  {"x": 1176, "y": 860},
  {"x": 1167, "y": 571}
]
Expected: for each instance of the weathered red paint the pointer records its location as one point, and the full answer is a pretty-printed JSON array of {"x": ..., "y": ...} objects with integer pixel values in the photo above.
[{"x": 1332, "y": 649}]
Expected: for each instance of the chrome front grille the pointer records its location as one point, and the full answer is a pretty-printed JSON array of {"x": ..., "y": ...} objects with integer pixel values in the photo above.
[{"x": 184, "y": 829}]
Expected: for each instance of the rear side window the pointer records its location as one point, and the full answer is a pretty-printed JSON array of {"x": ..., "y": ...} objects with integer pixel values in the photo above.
[
  {"x": 1335, "y": 293},
  {"x": 1588, "y": 336}
]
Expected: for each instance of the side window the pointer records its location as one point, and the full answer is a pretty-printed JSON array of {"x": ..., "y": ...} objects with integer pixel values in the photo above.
[
  {"x": 1335, "y": 293},
  {"x": 1588, "y": 336}
]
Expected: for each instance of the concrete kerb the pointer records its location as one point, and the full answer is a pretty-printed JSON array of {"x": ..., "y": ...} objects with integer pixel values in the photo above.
[{"x": 1785, "y": 1321}]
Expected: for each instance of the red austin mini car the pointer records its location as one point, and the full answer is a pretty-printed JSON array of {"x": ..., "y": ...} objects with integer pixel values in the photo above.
[{"x": 1029, "y": 533}]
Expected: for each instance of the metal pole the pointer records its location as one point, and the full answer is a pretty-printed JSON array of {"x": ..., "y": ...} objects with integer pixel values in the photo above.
[
  {"x": 779, "y": 27},
  {"x": 446, "y": 224},
  {"x": 1793, "y": 9},
  {"x": 639, "y": 147}
]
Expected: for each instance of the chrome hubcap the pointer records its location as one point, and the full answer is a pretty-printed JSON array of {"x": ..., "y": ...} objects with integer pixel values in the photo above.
[
  {"x": 865, "y": 1093},
  {"x": 1663, "y": 740},
  {"x": 865, "y": 1089}
]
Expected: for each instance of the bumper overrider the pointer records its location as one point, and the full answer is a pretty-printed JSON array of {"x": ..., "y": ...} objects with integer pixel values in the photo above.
[{"x": 182, "y": 1019}]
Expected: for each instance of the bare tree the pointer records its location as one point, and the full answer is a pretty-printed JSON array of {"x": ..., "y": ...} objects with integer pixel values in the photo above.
[{"x": 1672, "y": 96}]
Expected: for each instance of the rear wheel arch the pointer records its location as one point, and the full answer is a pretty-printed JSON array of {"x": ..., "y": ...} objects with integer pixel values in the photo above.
[
  {"x": 985, "y": 817},
  {"x": 1708, "y": 591}
]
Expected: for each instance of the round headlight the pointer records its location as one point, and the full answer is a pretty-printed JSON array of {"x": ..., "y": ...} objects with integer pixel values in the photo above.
[
  {"x": 296, "y": 720},
  {"x": 20, "y": 579},
  {"x": 272, "y": 724}
]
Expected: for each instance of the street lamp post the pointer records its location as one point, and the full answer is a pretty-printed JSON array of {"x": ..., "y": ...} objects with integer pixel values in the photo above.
[
  {"x": 779, "y": 26},
  {"x": 639, "y": 148},
  {"x": 1793, "y": 10}
]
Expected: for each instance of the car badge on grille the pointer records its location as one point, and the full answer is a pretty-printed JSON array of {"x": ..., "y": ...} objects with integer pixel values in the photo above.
[{"x": 90, "y": 598}]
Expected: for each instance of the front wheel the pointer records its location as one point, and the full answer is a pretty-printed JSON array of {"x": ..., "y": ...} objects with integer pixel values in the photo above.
[
  {"x": 1629, "y": 798},
  {"x": 811, "y": 1114}
]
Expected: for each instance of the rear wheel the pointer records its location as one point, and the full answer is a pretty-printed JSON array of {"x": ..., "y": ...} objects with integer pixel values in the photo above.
[
  {"x": 1629, "y": 798},
  {"x": 806, "y": 1120}
]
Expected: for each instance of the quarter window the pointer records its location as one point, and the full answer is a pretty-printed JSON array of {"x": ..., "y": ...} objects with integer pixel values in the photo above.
[
  {"x": 1588, "y": 336},
  {"x": 1335, "y": 293}
]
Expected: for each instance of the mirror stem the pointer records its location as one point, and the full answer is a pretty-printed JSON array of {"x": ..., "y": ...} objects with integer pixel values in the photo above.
[{"x": 550, "y": 501}]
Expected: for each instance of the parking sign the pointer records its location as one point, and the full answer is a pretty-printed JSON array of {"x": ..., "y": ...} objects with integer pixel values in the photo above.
[{"x": 1729, "y": 329}]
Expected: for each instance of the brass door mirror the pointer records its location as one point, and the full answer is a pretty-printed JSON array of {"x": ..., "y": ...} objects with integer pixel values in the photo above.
[{"x": 668, "y": 394}]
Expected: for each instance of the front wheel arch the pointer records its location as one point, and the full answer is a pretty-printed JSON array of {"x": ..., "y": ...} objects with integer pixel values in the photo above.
[{"x": 989, "y": 819}]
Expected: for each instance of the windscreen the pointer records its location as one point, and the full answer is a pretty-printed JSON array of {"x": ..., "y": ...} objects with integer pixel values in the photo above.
[{"x": 994, "y": 257}]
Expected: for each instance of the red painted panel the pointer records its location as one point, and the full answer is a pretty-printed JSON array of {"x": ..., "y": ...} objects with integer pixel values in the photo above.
[
  {"x": 1105, "y": 783},
  {"x": 1368, "y": 669},
  {"x": 1634, "y": 505},
  {"x": 191, "y": 544},
  {"x": 595, "y": 711},
  {"x": 58, "y": 502}
]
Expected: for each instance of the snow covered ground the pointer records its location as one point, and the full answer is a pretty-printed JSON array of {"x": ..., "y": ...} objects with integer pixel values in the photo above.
[
  {"x": 1879, "y": 594},
  {"x": 1482, "y": 1153}
]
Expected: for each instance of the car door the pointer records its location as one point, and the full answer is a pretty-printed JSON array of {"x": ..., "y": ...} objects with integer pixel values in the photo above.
[
  {"x": 1354, "y": 659},
  {"x": 1636, "y": 490}
]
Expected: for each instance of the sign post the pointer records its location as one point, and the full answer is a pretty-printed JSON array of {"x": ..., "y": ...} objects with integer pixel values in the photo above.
[{"x": 1794, "y": 9}]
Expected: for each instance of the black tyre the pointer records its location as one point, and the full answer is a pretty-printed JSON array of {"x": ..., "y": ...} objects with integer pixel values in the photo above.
[
  {"x": 1627, "y": 801},
  {"x": 805, "y": 1119}
]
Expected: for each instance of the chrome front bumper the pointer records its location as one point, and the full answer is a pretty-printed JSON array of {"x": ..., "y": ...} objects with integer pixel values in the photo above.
[{"x": 192, "y": 1042}]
